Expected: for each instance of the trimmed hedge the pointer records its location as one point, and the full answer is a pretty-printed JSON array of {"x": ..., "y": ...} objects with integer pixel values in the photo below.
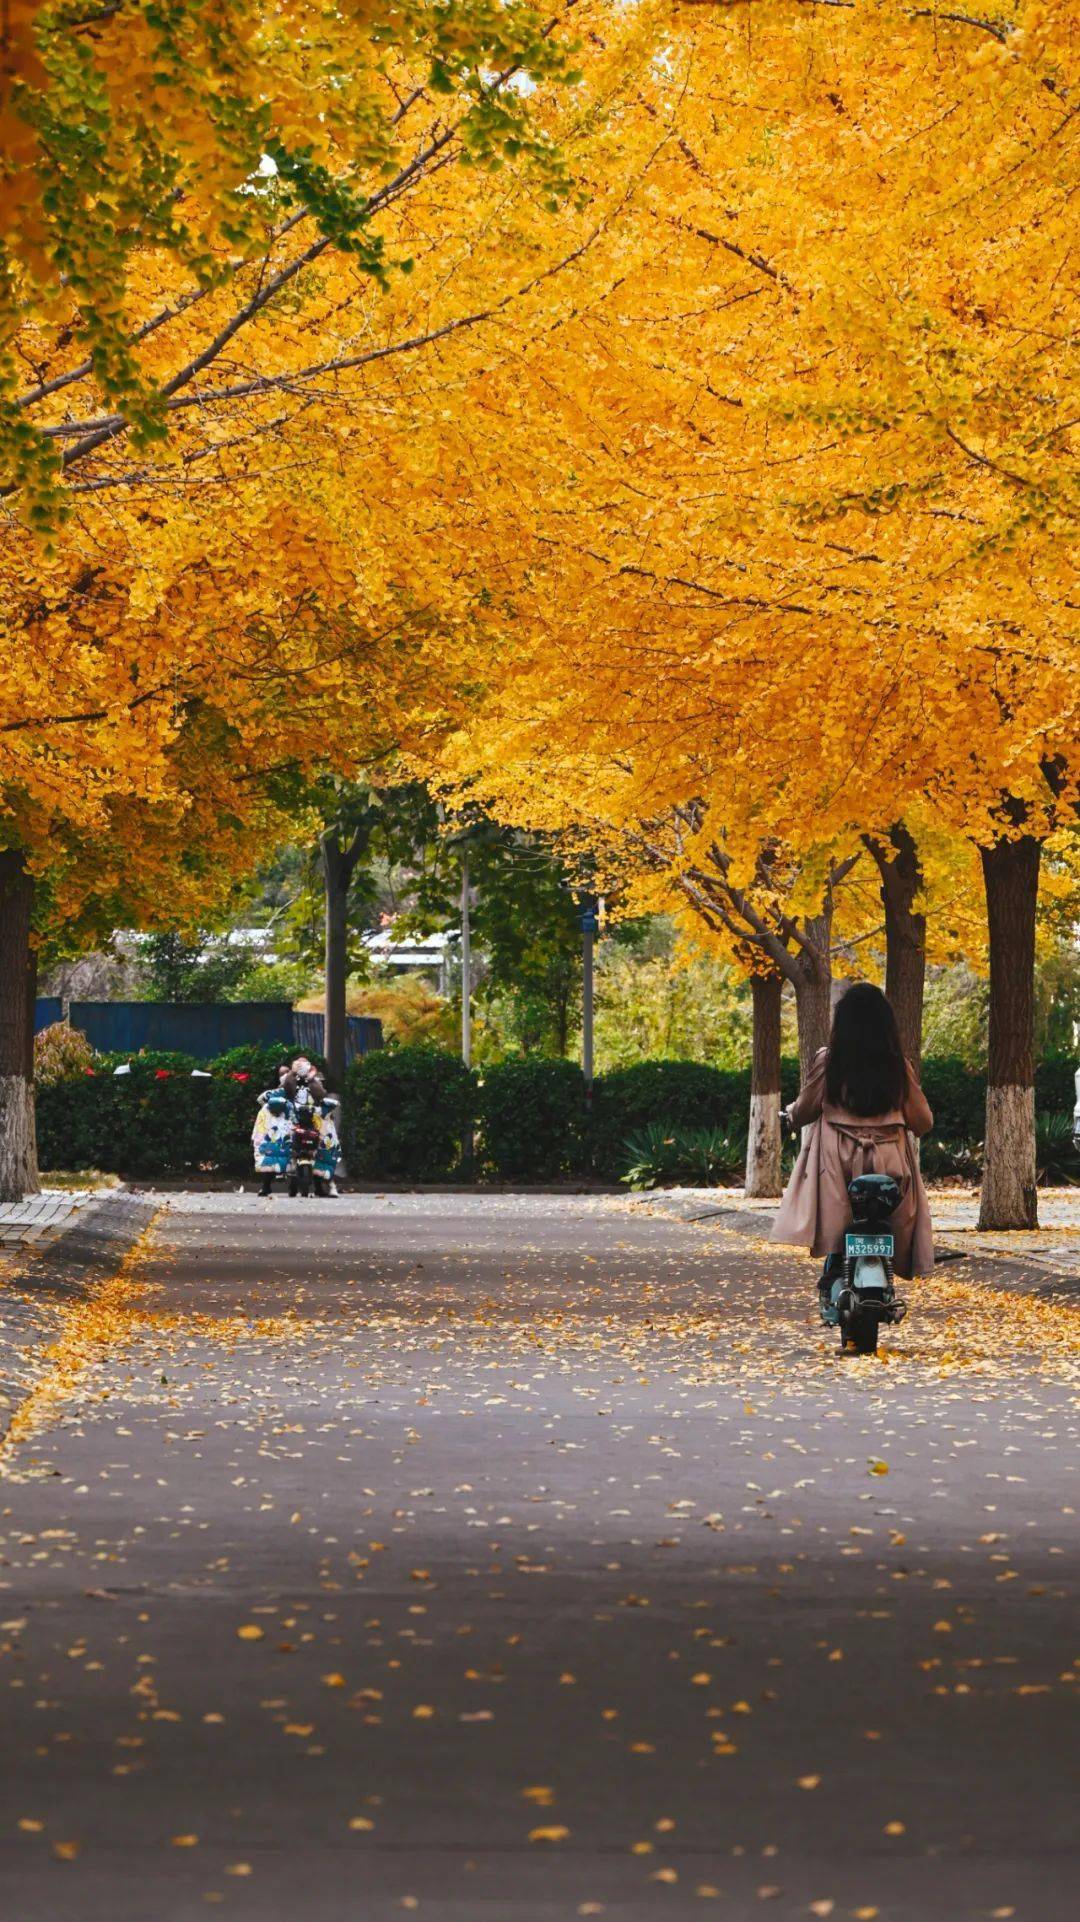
[
  {"x": 957, "y": 1094},
  {"x": 160, "y": 1118},
  {"x": 533, "y": 1121},
  {"x": 151, "y": 1121},
  {"x": 409, "y": 1114},
  {"x": 1055, "y": 1084},
  {"x": 683, "y": 1095}
]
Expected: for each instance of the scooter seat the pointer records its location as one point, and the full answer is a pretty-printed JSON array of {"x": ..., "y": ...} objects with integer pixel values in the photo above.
[{"x": 874, "y": 1197}]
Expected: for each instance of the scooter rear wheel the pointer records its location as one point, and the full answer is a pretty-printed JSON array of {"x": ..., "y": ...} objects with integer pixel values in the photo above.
[{"x": 860, "y": 1331}]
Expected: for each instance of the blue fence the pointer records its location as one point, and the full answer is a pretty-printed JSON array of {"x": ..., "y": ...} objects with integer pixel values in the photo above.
[
  {"x": 362, "y": 1033},
  {"x": 200, "y": 1028},
  {"x": 203, "y": 1029}
]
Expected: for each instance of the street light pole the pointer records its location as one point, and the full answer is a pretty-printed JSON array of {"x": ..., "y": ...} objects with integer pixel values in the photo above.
[
  {"x": 466, "y": 964},
  {"x": 589, "y": 925},
  {"x": 587, "y": 1008}
]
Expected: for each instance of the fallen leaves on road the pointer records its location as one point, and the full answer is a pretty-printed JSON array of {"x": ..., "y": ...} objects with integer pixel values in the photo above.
[{"x": 323, "y": 1428}]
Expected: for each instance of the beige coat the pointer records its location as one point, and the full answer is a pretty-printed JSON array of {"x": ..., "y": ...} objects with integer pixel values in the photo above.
[{"x": 836, "y": 1146}]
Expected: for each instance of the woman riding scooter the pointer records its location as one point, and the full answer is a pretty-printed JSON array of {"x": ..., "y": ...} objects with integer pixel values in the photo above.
[{"x": 858, "y": 1108}]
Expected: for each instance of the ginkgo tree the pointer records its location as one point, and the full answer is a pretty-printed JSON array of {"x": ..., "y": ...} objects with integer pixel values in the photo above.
[
  {"x": 805, "y": 546},
  {"x": 188, "y": 263},
  {"x": 199, "y": 138},
  {"x": 744, "y": 467}
]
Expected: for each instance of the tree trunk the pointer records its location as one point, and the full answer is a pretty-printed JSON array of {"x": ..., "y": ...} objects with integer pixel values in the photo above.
[
  {"x": 1011, "y": 878},
  {"x": 905, "y": 934},
  {"x": 336, "y": 875},
  {"x": 812, "y": 981},
  {"x": 18, "y": 1147},
  {"x": 763, "y": 1140}
]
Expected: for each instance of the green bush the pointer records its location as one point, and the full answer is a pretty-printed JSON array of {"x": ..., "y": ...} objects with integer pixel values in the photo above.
[
  {"x": 1055, "y": 1084},
  {"x": 151, "y": 1121},
  {"x": 160, "y": 1118},
  {"x": 1057, "y": 1156},
  {"x": 70, "y": 1132},
  {"x": 409, "y": 1114},
  {"x": 156, "y": 1120},
  {"x": 698, "y": 1157},
  {"x": 532, "y": 1118},
  {"x": 676, "y": 1095},
  {"x": 940, "y": 1158},
  {"x": 171, "y": 1059},
  {"x": 238, "y": 1079},
  {"x": 258, "y": 1060},
  {"x": 957, "y": 1095},
  {"x": 61, "y": 1053}
]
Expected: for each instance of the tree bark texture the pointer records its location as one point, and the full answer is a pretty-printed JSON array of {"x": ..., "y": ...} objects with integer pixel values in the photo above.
[
  {"x": 1011, "y": 878},
  {"x": 905, "y": 934},
  {"x": 812, "y": 981},
  {"x": 18, "y": 976},
  {"x": 763, "y": 1139}
]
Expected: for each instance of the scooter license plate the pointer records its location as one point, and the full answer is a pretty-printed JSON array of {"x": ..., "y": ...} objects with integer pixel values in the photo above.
[{"x": 855, "y": 1245}]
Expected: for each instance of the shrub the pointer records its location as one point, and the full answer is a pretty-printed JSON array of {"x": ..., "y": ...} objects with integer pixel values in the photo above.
[
  {"x": 258, "y": 1060},
  {"x": 70, "y": 1133},
  {"x": 156, "y": 1120},
  {"x": 700, "y": 1157},
  {"x": 61, "y": 1053},
  {"x": 151, "y": 1121},
  {"x": 532, "y": 1117},
  {"x": 940, "y": 1158},
  {"x": 1055, "y": 1084},
  {"x": 1057, "y": 1155},
  {"x": 676, "y": 1094},
  {"x": 957, "y": 1094},
  {"x": 172, "y": 1060},
  {"x": 409, "y": 1114}
]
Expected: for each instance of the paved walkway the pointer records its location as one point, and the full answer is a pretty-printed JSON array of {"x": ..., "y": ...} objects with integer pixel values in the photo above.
[
  {"x": 503, "y": 1559},
  {"x": 46, "y": 1214}
]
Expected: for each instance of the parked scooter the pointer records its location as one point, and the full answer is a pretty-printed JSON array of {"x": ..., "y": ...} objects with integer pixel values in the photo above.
[
  {"x": 305, "y": 1143},
  {"x": 316, "y": 1149},
  {"x": 857, "y": 1292}
]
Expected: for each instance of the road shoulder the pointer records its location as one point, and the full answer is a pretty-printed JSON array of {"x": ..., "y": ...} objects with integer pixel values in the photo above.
[{"x": 44, "y": 1277}]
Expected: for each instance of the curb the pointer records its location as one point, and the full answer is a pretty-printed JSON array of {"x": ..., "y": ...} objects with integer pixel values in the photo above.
[
  {"x": 83, "y": 1251},
  {"x": 164, "y": 1185}
]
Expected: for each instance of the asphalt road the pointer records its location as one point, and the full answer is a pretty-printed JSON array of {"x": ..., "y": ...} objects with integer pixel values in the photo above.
[{"x": 529, "y": 1558}]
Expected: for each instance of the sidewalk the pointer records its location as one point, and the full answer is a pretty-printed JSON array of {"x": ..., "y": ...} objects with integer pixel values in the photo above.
[
  {"x": 44, "y": 1216},
  {"x": 1052, "y": 1249}
]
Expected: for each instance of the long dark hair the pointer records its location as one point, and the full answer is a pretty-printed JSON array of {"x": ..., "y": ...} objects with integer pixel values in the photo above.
[{"x": 865, "y": 1071}]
